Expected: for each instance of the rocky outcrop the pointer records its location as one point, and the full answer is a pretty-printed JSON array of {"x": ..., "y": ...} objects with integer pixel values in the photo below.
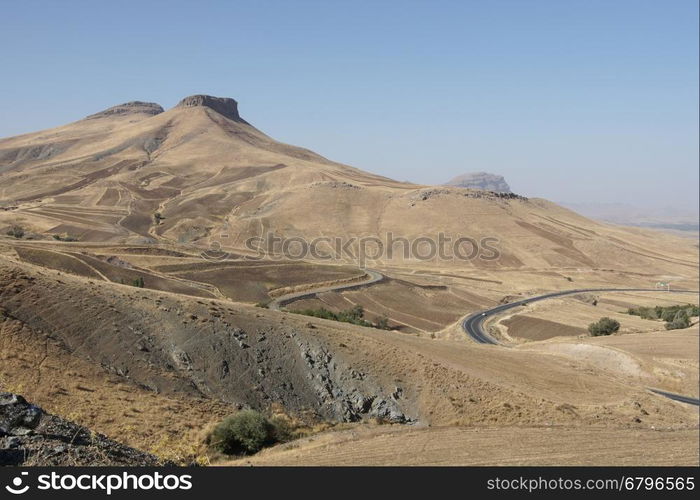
[
  {"x": 223, "y": 105},
  {"x": 346, "y": 393},
  {"x": 30, "y": 436},
  {"x": 427, "y": 194},
  {"x": 133, "y": 107},
  {"x": 481, "y": 180}
]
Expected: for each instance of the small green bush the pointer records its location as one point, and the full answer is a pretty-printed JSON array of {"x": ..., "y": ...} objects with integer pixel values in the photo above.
[
  {"x": 248, "y": 431},
  {"x": 604, "y": 326}
]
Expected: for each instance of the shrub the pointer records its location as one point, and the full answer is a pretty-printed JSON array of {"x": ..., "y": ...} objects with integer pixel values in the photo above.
[
  {"x": 680, "y": 320},
  {"x": 245, "y": 432},
  {"x": 64, "y": 237},
  {"x": 16, "y": 232},
  {"x": 138, "y": 282},
  {"x": 604, "y": 326}
]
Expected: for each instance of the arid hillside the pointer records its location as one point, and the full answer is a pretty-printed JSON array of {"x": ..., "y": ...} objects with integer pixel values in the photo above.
[
  {"x": 135, "y": 301},
  {"x": 199, "y": 174},
  {"x": 156, "y": 369}
]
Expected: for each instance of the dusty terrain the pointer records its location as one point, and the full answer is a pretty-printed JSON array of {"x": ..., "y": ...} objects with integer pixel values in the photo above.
[{"x": 166, "y": 200}]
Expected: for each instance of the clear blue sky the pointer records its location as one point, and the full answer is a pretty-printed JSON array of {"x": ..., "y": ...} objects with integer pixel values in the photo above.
[{"x": 571, "y": 100}]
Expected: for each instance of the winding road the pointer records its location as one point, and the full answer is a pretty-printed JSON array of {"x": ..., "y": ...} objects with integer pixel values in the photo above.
[{"x": 473, "y": 325}]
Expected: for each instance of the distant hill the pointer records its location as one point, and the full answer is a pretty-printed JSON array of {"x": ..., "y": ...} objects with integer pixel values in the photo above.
[
  {"x": 665, "y": 218},
  {"x": 481, "y": 180}
]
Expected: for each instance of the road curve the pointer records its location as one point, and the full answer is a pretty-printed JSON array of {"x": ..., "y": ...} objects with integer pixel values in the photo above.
[
  {"x": 473, "y": 325},
  {"x": 372, "y": 278}
]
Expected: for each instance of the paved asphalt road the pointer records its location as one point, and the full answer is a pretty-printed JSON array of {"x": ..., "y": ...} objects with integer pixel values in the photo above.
[
  {"x": 474, "y": 325},
  {"x": 677, "y": 397}
]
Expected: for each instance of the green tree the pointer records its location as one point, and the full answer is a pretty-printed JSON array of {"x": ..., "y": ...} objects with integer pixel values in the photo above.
[
  {"x": 245, "y": 432},
  {"x": 357, "y": 312},
  {"x": 604, "y": 326}
]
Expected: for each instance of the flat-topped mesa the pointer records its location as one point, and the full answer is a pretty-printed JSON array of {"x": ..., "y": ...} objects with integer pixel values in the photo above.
[
  {"x": 481, "y": 180},
  {"x": 223, "y": 105},
  {"x": 133, "y": 107}
]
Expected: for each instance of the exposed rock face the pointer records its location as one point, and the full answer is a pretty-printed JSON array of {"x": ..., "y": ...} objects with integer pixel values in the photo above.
[
  {"x": 149, "y": 108},
  {"x": 345, "y": 393},
  {"x": 481, "y": 180},
  {"x": 30, "y": 436},
  {"x": 17, "y": 417},
  {"x": 223, "y": 105}
]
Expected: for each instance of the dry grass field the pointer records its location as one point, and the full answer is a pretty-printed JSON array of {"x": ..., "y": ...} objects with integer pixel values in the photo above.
[{"x": 500, "y": 446}]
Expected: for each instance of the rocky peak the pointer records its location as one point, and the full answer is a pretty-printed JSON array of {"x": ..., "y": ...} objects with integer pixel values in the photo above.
[
  {"x": 223, "y": 105},
  {"x": 481, "y": 180},
  {"x": 150, "y": 108}
]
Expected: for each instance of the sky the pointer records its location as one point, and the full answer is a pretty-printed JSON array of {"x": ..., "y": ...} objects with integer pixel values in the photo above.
[{"x": 584, "y": 101}]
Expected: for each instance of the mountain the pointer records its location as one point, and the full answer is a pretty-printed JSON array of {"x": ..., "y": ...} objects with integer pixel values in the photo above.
[
  {"x": 199, "y": 174},
  {"x": 481, "y": 180}
]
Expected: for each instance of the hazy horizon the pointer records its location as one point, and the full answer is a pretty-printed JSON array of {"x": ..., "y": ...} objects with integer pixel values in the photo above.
[{"x": 587, "y": 102}]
